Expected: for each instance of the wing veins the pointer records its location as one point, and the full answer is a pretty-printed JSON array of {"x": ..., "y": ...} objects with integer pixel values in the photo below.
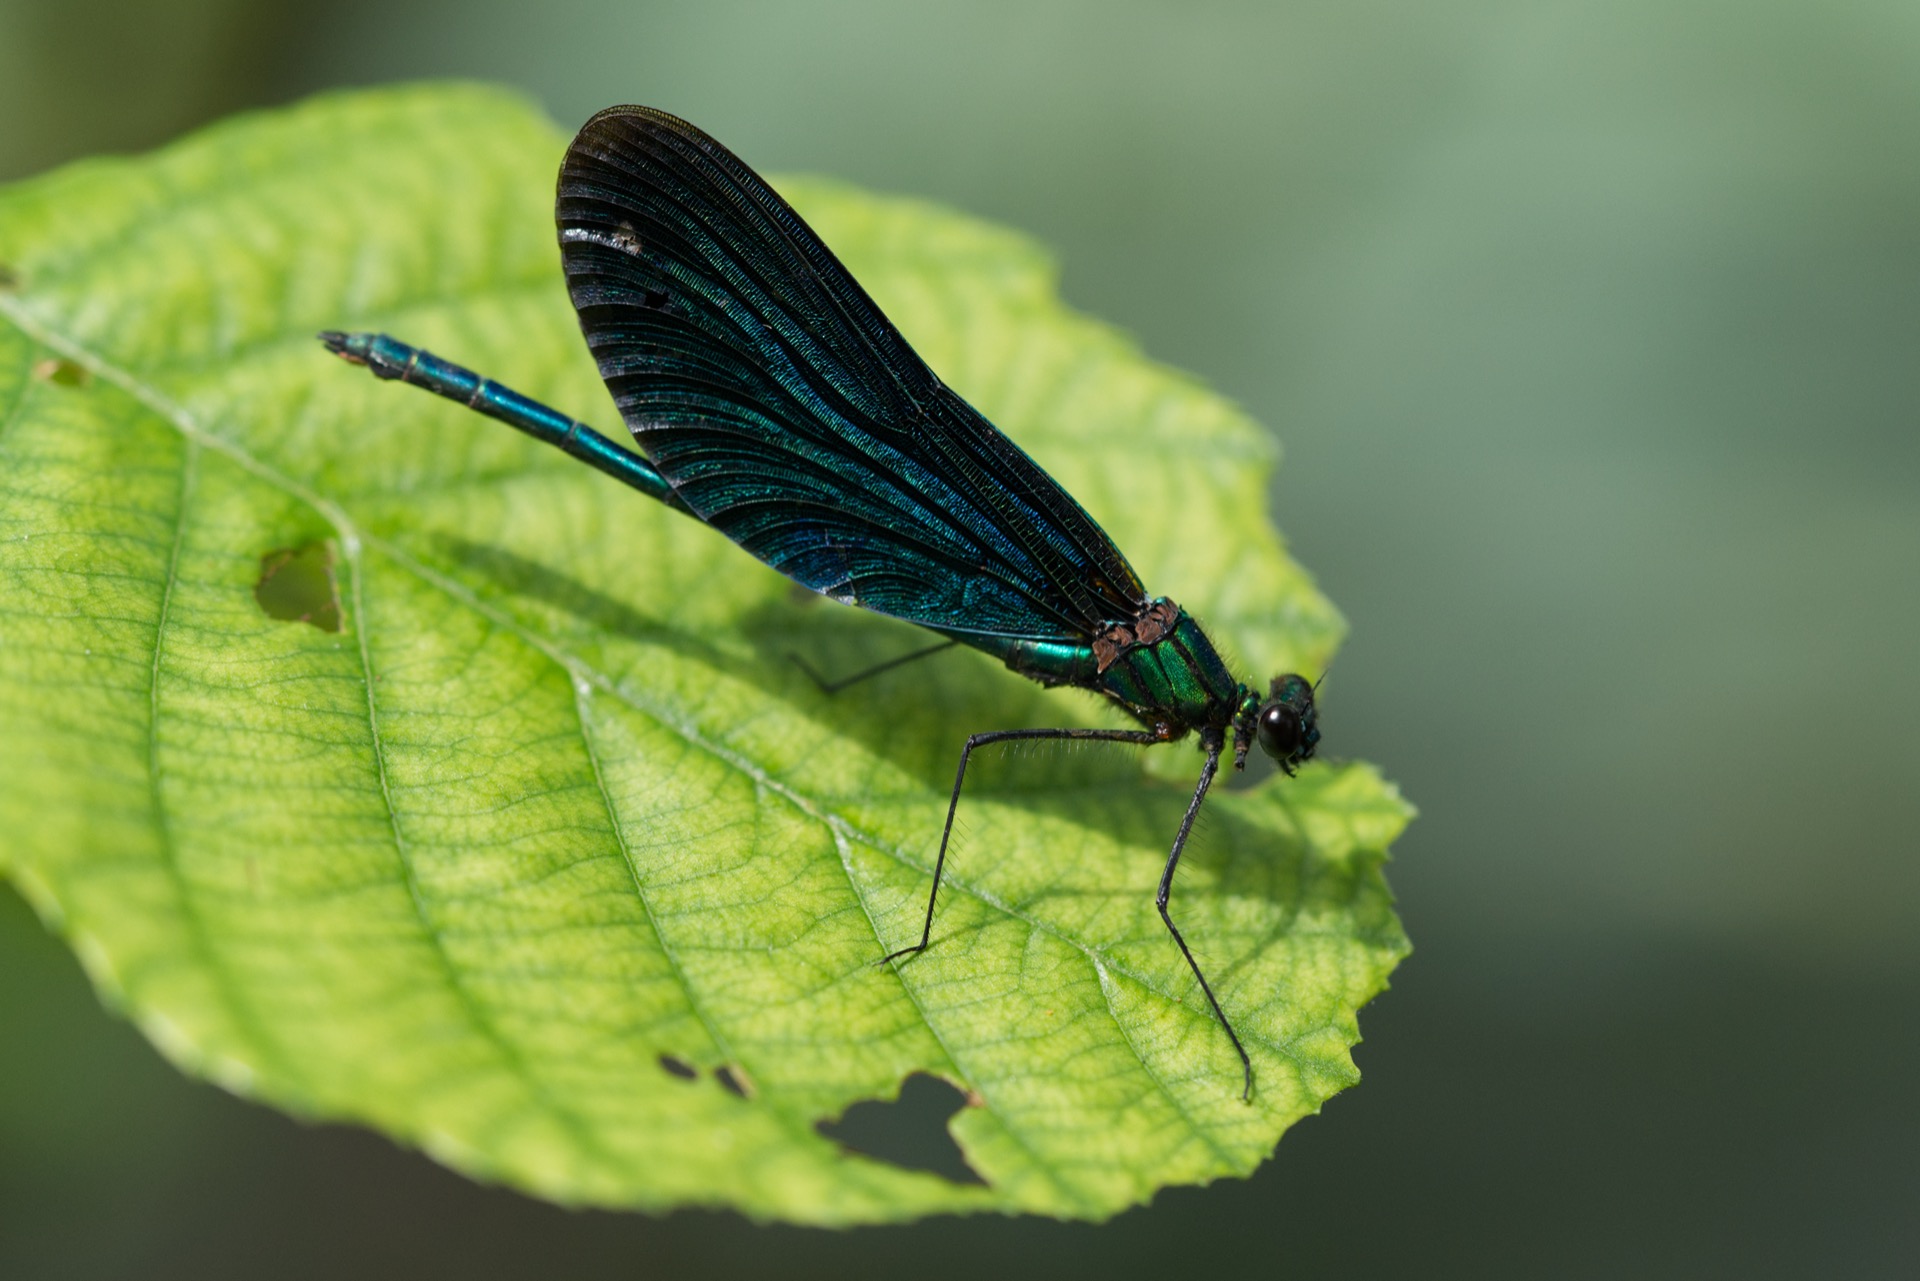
[{"x": 778, "y": 381}]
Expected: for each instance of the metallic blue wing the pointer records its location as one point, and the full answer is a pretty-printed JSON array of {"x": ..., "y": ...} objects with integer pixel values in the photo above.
[{"x": 787, "y": 412}]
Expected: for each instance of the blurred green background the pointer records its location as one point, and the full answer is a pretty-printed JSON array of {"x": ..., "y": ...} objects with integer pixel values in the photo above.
[{"x": 1592, "y": 332}]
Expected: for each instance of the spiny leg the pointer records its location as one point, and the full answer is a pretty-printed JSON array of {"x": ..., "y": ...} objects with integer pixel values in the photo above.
[
  {"x": 1142, "y": 736},
  {"x": 1213, "y": 748},
  {"x": 834, "y": 687}
]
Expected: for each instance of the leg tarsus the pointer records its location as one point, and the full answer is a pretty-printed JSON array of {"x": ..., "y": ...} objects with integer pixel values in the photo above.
[
  {"x": 915, "y": 950},
  {"x": 1140, "y": 736},
  {"x": 834, "y": 687},
  {"x": 1166, "y": 893}
]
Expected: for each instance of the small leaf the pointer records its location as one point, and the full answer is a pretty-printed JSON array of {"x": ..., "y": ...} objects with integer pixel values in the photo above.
[{"x": 547, "y": 860}]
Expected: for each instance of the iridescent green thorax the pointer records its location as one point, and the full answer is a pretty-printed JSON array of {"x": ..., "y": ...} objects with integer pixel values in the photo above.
[{"x": 1162, "y": 667}]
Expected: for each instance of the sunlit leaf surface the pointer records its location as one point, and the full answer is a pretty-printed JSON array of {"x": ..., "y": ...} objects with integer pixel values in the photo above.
[{"x": 385, "y": 766}]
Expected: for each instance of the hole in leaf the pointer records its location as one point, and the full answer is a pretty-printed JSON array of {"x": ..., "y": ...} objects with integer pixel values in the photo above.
[
  {"x": 733, "y": 1080},
  {"x": 297, "y": 586},
  {"x": 673, "y": 1065},
  {"x": 62, "y": 372},
  {"x": 910, "y": 1131}
]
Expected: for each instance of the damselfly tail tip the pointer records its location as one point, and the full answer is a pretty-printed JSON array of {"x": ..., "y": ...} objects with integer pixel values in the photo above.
[{"x": 343, "y": 345}]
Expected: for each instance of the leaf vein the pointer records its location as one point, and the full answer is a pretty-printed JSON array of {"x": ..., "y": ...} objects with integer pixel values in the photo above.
[
  {"x": 246, "y": 1022},
  {"x": 510, "y": 1054},
  {"x": 1203, "y": 1133}
]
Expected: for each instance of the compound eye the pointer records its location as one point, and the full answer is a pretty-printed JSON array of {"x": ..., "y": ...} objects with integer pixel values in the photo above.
[{"x": 1279, "y": 732}]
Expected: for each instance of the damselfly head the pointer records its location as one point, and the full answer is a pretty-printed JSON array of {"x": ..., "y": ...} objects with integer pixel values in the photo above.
[{"x": 1285, "y": 724}]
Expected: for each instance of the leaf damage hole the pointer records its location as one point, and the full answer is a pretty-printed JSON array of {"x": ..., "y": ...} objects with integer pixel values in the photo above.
[
  {"x": 733, "y": 1080},
  {"x": 674, "y": 1065},
  {"x": 910, "y": 1131},
  {"x": 297, "y": 585},
  {"x": 62, "y": 372}
]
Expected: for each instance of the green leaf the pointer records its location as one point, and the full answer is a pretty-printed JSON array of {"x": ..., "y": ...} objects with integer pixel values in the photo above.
[{"x": 386, "y": 766}]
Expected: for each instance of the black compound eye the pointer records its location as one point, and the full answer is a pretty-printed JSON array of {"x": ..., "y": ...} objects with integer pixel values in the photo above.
[
  {"x": 1278, "y": 731},
  {"x": 1285, "y": 727}
]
